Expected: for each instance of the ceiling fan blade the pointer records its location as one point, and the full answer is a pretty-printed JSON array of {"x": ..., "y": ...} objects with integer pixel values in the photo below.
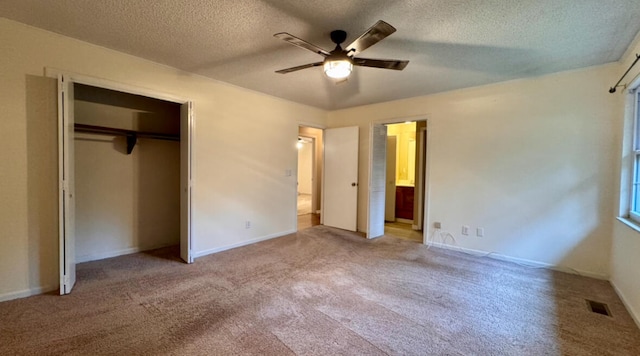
[
  {"x": 293, "y": 69},
  {"x": 301, "y": 43},
  {"x": 380, "y": 63},
  {"x": 372, "y": 36}
]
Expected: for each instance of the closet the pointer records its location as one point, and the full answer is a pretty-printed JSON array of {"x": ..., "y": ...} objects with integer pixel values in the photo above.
[{"x": 127, "y": 173}]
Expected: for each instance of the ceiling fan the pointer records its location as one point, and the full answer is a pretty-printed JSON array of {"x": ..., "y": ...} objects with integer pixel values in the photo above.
[{"x": 339, "y": 63}]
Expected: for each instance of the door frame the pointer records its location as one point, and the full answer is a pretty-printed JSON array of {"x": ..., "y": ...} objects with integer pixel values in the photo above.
[
  {"x": 427, "y": 171},
  {"x": 422, "y": 169},
  {"x": 72, "y": 78},
  {"x": 390, "y": 197}
]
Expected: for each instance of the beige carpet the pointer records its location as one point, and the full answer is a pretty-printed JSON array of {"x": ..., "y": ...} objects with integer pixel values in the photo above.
[{"x": 320, "y": 292}]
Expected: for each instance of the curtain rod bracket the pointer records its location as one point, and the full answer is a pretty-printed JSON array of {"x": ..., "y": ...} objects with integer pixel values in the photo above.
[
  {"x": 613, "y": 88},
  {"x": 132, "y": 139}
]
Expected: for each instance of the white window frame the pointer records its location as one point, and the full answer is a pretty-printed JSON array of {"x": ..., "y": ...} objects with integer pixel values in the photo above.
[{"x": 634, "y": 205}]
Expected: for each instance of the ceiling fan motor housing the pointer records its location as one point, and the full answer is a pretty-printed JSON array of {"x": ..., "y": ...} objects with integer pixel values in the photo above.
[{"x": 338, "y": 36}]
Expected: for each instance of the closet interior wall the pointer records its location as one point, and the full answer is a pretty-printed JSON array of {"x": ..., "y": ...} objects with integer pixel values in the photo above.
[{"x": 125, "y": 203}]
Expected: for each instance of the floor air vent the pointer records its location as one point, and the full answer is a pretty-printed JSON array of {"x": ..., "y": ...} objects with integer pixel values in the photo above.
[{"x": 598, "y": 307}]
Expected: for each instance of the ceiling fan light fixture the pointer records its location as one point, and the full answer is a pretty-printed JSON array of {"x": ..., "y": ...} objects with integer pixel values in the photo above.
[
  {"x": 338, "y": 69},
  {"x": 338, "y": 64}
]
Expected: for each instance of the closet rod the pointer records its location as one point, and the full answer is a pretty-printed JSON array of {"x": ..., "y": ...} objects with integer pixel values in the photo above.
[
  {"x": 132, "y": 136},
  {"x": 123, "y": 132}
]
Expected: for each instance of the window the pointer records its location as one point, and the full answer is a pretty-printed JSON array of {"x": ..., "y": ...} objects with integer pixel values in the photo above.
[{"x": 634, "y": 211}]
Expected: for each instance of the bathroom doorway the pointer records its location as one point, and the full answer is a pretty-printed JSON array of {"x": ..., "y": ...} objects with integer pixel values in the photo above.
[
  {"x": 402, "y": 218},
  {"x": 397, "y": 179}
]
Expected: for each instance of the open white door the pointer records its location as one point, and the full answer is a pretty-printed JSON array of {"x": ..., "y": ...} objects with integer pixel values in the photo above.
[
  {"x": 377, "y": 181},
  {"x": 340, "y": 198},
  {"x": 66, "y": 190},
  {"x": 390, "y": 201},
  {"x": 186, "y": 180}
]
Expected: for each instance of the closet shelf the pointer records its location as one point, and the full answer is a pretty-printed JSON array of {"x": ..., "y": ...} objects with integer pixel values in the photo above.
[{"x": 131, "y": 135}]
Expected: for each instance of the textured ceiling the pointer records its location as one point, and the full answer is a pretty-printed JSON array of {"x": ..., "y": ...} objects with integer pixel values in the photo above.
[{"x": 450, "y": 43}]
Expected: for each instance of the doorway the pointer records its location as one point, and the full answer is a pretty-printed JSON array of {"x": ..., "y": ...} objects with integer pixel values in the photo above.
[
  {"x": 127, "y": 141},
  {"x": 127, "y": 173},
  {"x": 309, "y": 176},
  {"x": 398, "y": 168}
]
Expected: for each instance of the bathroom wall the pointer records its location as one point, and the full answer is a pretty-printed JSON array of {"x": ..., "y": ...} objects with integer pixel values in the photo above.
[{"x": 405, "y": 152}]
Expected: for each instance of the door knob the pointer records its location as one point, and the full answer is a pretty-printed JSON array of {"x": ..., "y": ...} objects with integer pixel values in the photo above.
[{"x": 354, "y": 184}]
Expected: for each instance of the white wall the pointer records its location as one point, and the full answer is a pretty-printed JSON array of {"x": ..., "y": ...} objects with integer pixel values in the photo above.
[
  {"x": 625, "y": 267},
  {"x": 531, "y": 161},
  {"x": 125, "y": 203},
  {"x": 305, "y": 168},
  {"x": 625, "y": 252},
  {"x": 244, "y": 143}
]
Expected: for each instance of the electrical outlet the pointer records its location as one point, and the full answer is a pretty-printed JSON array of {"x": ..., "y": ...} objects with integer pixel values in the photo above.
[
  {"x": 465, "y": 230},
  {"x": 247, "y": 224},
  {"x": 480, "y": 232},
  {"x": 437, "y": 225}
]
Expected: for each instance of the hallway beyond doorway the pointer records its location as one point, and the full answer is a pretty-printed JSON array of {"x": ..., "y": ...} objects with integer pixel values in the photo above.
[
  {"x": 304, "y": 204},
  {"x": 308, "y": 220}
]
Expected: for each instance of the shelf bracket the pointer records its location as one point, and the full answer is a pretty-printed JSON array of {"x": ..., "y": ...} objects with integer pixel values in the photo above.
[{"x": 132, "y": 139}]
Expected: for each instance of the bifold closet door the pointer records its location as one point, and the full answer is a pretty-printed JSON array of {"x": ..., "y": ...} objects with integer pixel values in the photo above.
[
  {"x": 377, "y": 181},
  {"x": 66, "y": 192},
  {"x": 186, "y": 180}
]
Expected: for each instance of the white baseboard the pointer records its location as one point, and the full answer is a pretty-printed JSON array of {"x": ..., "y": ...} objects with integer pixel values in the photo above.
[
  {"x": 116, "y": 253},
  {"x": 243, "y": 243},
  {"x": 26, "y": 293},
  {"x": 521, "y": 261},
  {"x": 635, "y": 315}
]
